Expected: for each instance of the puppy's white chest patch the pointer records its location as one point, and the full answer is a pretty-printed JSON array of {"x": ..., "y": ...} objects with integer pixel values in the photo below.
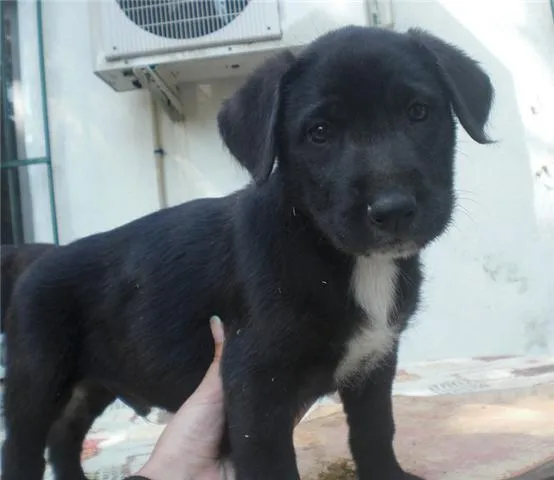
[{"x": 374, "y": 288}]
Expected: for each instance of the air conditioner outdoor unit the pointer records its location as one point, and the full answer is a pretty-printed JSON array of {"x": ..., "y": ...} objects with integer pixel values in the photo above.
[{"x": 168, "y": 42}]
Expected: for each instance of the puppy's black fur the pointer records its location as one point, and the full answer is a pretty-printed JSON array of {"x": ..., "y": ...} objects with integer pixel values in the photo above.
[
  {"x": 14, "y": 260},
  {"x": 314, "y": 268}
]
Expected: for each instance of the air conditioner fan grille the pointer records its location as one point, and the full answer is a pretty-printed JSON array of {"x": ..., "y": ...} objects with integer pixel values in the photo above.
[{"x": 182, "y": 19}]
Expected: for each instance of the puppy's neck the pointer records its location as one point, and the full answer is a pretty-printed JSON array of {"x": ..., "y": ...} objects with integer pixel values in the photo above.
[{"x": 283, "y": 203}]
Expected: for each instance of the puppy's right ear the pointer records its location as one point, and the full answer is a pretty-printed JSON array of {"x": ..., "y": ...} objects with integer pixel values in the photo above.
[{"x": 247, "y": 121}]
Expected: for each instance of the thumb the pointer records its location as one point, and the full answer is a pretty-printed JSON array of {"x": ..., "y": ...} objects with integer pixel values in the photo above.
[
  {"x": 211, "y": 384},
  {"x": 219, "y": 335}
]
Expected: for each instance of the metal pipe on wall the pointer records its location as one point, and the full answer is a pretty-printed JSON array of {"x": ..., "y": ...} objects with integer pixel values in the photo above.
[{"x": 159, "y": 154}]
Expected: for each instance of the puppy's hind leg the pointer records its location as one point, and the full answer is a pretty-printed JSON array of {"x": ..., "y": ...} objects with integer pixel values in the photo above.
[
  {"x": 41, "y": 358},
  {"x": 32, "y": 401},
  {"x": 65, "y": 441}
]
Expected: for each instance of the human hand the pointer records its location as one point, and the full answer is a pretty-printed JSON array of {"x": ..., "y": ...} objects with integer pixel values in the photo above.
[{"x": 188, "y": 448}]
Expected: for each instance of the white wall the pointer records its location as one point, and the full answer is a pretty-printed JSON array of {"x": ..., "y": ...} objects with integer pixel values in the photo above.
[{"x": 490, "y": 288}]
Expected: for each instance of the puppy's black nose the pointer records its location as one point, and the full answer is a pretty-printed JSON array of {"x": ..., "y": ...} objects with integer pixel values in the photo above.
[{"x": 393, "y": 212}]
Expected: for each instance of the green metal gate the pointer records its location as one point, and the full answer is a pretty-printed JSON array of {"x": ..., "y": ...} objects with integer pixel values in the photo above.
[{"x": 11, "y": 164}]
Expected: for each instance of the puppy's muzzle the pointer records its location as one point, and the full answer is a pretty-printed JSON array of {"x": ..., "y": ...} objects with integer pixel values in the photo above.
[{"x": 393, "y": 212}]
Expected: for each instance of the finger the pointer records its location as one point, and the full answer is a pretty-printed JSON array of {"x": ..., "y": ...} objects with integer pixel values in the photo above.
[
  {"x": 218, "y": 334},
  {"x": 211, "y": 383}
]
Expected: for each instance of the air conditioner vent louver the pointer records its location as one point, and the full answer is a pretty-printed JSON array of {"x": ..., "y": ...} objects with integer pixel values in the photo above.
[{"x": 182, "y": 19}]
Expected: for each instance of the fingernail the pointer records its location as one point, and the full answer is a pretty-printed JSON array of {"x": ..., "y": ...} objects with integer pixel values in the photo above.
[{"x": 217, "y": 329}]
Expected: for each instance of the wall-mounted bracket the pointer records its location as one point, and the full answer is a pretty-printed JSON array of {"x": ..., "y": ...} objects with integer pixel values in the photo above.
[{"x": 166, "y": 96}]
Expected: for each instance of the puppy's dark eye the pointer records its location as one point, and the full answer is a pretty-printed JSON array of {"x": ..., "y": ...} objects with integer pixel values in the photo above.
[
  {"x": 319, "y": 133},
  {"x": 418, "y": 112}
]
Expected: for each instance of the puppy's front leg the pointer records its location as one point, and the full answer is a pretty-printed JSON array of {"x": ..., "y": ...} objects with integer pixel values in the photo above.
[
  {"x": 368, "y": 406},
  {"x": 260, "y": 409}
]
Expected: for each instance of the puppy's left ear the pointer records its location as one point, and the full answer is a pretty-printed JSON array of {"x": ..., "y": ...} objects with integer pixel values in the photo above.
[
  {"x": 469, "y": 87},
  {"x": 248, "y": 120}
]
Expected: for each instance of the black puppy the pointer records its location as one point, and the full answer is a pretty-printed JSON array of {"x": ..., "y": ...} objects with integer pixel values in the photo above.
[{"x": 314, "y": 268}]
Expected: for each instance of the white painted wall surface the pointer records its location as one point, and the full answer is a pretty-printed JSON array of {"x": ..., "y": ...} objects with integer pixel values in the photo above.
[{"x": 490, "y": 283}]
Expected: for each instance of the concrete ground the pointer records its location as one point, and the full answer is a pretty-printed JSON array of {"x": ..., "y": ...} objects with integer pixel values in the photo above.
[{"x": 473, "y": 436}]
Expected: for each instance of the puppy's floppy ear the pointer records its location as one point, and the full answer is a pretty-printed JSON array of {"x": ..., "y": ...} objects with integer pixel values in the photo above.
[
  {"x": 247, "y": 121},
  {"x": 470, "y": 88}
]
